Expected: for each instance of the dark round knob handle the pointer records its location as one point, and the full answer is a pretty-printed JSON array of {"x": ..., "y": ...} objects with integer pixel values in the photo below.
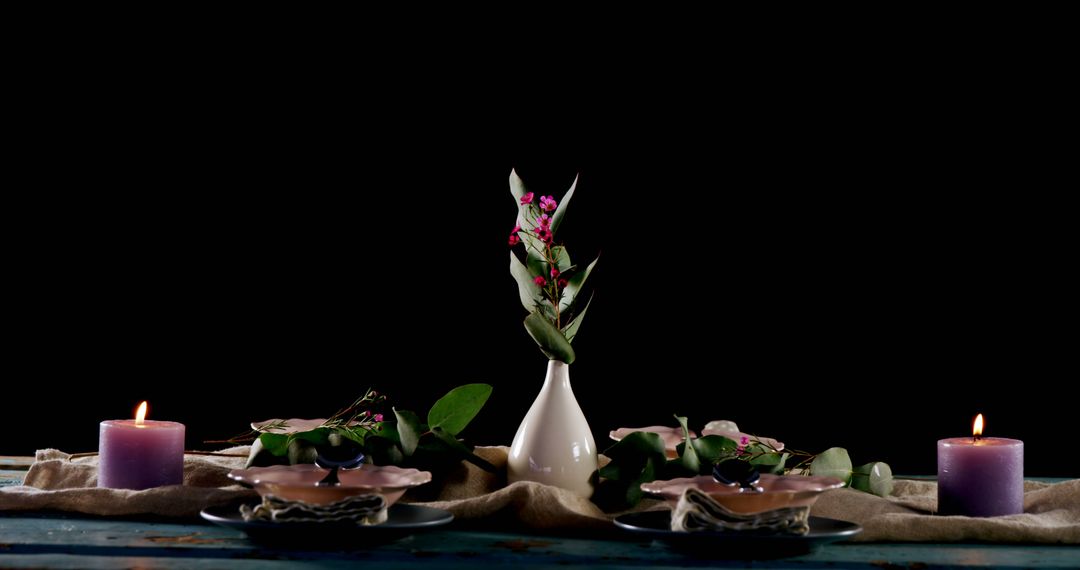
[
  {"x": 736, "y": 472},
  {"x": 345, "y": 458}
]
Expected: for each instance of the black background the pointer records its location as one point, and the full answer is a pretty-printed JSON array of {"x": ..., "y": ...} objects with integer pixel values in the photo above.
[{"x": 866, "y": 268}]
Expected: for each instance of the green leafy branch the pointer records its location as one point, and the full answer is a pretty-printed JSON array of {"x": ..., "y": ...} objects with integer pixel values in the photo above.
[
  {"x": 641, "y": 457},
  {"x": 405, "y": 441}
]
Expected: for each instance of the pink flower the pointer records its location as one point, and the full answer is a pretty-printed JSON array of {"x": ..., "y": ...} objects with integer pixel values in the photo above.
[
  {"x": 544, "y": 234},
  {"x": 514, "y": 240},
  {"x": 378, "y": 417},
  {"x": 527, "y": 198},
  {"x": 544, "y": 221},
  {"x": 547, "y": 203},
  {"x": 516, "y": 229},
  {"x": 554, "y": 273},
  {"x": 743, "y": 442},
  {"x": 561, "y": 283},
  {"x": 540, "y": 281}
]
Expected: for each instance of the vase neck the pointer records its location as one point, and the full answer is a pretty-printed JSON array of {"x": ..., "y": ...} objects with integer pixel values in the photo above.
[{"x": 558, "y": 375}]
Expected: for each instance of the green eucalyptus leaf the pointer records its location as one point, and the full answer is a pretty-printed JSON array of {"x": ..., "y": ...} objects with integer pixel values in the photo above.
[
  {"x": 611, "y": 471},
  {"x": 571, "y": 330},
  {"x": 574, "y": 285},
  {"x": 551, "y": 340},
  {"x": 873, "y": 478},
  {"x": 409, "y": 430},
  {"x": 517, "y": 187},
  {"x": 636, "y": 447},
  {"x": 688, "y": 456},
  {"x": 528, "y": 291},
  {"x": 463, "y": 450},
  {"x": 275, "y": 443},
  {"x": 675, "y": 468},
  {"x": 317, "y": 436},
  {"x": 534, "y": 246},
  {"x": 259, "y": 456},
  {"x": 634, "y": 494},
  {"x": 302, "y": 451},
  {"x": 383, "y": 451},
  {"x": 388, "y": 430},
  {"x": 356, "y": 434},
  {"x": 458, "y": 407},
  {"x": 833, "y": 462},
  {"x": 771, "y": 462},
  {"x": 560, "y": 211},
  {"x": 635, "y": 459},
  {"x": 562, "y": 258},
  {"x": 537, "y": 265},
  {"x": 712, "y": 449}
]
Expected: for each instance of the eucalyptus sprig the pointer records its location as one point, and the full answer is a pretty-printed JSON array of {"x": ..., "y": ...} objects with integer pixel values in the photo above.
[
  {"x": 551, "y": 287},
  {"x": 641, "y": 457},
  {"x": 404, "y": 441}
]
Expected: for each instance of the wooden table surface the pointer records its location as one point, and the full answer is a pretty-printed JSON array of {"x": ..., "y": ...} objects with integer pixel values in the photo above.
[{"x": 48, "y": 540}]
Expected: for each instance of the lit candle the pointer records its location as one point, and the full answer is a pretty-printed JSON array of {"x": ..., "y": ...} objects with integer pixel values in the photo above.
[
  {"x": 980, "y": 476},
  {"x": 140, "y": 453}
]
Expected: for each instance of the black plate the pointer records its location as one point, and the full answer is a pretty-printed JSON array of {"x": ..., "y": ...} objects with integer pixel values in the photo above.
[
  {"x": 402, "y": 520},
  {"x": 657, "y": 525}
]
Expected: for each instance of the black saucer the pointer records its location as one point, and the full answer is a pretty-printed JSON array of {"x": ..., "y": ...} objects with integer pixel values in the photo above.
[
  {"x": 402, "y": 520},
  {"x": 718, "y": 544}
]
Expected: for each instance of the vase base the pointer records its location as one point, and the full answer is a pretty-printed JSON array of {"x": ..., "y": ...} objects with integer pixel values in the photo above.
[{"x": 580, "y": 487}]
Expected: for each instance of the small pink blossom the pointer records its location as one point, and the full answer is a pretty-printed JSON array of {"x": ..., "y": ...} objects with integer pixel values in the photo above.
[
  {"x": 554, "y": 273},
  {"x": 743, "y": 442},
  {"x": 514, "y": 239},
  {"x": 540, "y": 280},
  {"x": 544, "y": 234},
  {"x": 544, "y": 221},
  {"x": 561, "y": 283},
  {"x": 527, "y": 198},
  {"x": 547, "y": 203},
  {"x": 378, "y": 417},
  {"x": 516, "y": 229}
]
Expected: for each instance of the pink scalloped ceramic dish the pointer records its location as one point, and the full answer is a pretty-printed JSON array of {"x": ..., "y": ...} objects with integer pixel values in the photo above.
[
  {"x": 300, "y": 482},
  {"x": 738, "y": 435},
  {"x": 777, "y": 491},
  {"x": 673, "y": 436}
]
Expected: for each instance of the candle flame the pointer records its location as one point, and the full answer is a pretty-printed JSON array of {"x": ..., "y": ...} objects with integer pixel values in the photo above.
[
  {"x": 140, "y": 414},
  {"x": 977, "y": 429}
]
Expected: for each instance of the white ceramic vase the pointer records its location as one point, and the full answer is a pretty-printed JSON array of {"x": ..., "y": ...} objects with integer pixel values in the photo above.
[{"x": 554, "y": 444}]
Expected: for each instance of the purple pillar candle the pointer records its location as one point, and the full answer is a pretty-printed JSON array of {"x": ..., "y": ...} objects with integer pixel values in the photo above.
[
  {"x": 140, "y": 454},
  {"x": 981, "y": 477}
]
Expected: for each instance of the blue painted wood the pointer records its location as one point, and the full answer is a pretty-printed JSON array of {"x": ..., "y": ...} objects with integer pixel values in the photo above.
[
  {"x": 65, "y": 541},
  {"x": 8, "y": 477},
  {"x": 15, "y": 462}
]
